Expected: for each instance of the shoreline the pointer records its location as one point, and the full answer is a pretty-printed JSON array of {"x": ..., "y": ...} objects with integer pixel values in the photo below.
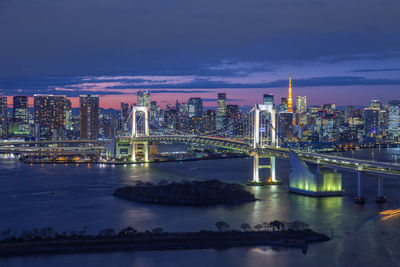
[
  {"x": 129, "y": 162},
  {"x": 163, "y": 241}
]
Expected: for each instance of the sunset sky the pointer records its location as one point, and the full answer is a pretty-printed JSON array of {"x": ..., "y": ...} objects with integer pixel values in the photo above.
[{"x": 343, "y": 52}]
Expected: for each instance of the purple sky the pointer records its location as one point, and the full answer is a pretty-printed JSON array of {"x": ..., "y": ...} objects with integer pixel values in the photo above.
[{"x": 346, "y": 52}]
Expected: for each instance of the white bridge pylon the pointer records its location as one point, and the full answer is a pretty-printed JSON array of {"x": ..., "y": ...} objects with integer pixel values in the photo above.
[
  {"x": 269, "y": 109},
  {"x": 258, "y": 140},
  {"x": 135, "y": 132},
  {"x": 140, "y": 147}
]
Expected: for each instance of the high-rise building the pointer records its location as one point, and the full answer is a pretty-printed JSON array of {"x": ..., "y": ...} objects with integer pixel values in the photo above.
[
  {"x": 89, "y": 116},
  {"x": 221, "y": 111},
  {"x": 209, "y": 121},
  {"x": 124, "y": 111},
  {"x": 50, "y": 115},
  {"x": 394, "y": 118},
  {"x": 195, "y": 107},
  {"x": 20, "y": 110},
  {"x": 144, "y": 99},
  {"x": 371, "y": 117},
  {"x": 232, "y": 117},
  {"x": 3, "y": 117},
  {"x": 68, "y": 114},
  {"x": 375, "y": 104},
  {"x": 268, "y": 99},
  {"x": 301, "y": 104},
  {"x": 284, "y": 104},
  {"x": 285, "y": 122},
  {"x": 290, "y": 102}
]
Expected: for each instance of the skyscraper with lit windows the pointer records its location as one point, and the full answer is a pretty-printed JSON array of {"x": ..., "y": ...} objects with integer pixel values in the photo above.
[{"x": 89, "y": 116}]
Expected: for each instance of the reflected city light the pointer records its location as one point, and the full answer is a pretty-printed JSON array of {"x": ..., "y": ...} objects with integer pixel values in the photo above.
[{"x": 387, "y": 214}]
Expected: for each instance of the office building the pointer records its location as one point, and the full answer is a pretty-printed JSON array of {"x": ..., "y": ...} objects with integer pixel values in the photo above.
[
  {"x": 89, "y": 116},
  {"x": 50, "y": 116},
  {"x": 144, "y": 99},
  {"x": 20, "y": 109},
  {"x": 301, "y": 104},
  {"x": 221, "y": 111},
  {"x": 394, "y": 118},
  {"x": 195, "y": 107},
  {"x": 3, "y": 117}
]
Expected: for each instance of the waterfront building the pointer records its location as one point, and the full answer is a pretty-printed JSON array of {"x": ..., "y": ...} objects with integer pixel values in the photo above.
[
  {"x": 19, "y": 125},
  {"x": 3, "y": 117},
  {"x": 144, "y": 99},
  {"x": 394, "y": 118},
  {"x": 221, "y": 111},
  {"x": 89, "y": 116},
  {"x": 20, "y": 109},
  {"x": 195, "y": 107},
  {"x": 50, "y": 116}
]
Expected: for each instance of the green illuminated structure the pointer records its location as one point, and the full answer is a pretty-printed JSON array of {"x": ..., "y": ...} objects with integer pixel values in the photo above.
[{"x": 321, "y": 183}]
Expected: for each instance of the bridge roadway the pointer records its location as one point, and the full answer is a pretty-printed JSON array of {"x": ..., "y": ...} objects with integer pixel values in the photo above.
[{"x": 343, "y": 163}]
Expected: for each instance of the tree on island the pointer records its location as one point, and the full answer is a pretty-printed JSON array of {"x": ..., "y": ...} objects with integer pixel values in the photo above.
[
  {"x": 163, "y": 182},
  {"x": 222, "y": 226},
  {"x": 107, "y": 232},
  {"x": 157, "y": 230},
  {"x": 258, "y": 227},
  {"x": 245, "y": 227},
  {"x": 277, "y": 225},
  {"x": 298, "y": 226},
  {"x": 127, "y": 231}
]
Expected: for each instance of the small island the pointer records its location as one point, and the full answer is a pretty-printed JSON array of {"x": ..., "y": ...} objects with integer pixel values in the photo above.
[
  {"x": 47, "y": 241},
  {"x": 186, "y": 193}
]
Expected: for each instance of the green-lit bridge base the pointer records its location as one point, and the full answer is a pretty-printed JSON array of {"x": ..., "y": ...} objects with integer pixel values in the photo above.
[
  {"x": 315, "y": 193},
  {"x": 263, "y": 183}
]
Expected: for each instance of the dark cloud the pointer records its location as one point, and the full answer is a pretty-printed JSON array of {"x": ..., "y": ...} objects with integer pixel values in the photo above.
[
  {"x": 216, "y": 99},
  {"x": 374, "y": 70},
  {"x": 69, "y": 38}
]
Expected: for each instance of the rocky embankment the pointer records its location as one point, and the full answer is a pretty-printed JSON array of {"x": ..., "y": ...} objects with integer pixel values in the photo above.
[{"x": 186, "y": 193}]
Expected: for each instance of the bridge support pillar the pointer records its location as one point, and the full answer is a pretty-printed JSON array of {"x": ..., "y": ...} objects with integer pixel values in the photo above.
[
  {"x": 380, "y": 198},
  {"x": 359, "y": 199},
  {"x": 140, "y": 149},
  {"x": 256, "y": 171}
]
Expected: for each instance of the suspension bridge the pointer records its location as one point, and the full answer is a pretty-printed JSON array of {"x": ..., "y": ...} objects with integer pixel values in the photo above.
[
  {"x": 256, "y": 134},
  {"x": 259, "y": 137}
]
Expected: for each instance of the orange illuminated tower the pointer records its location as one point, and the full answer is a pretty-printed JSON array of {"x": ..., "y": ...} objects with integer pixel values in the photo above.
[{"x": 290, "y": 102}]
